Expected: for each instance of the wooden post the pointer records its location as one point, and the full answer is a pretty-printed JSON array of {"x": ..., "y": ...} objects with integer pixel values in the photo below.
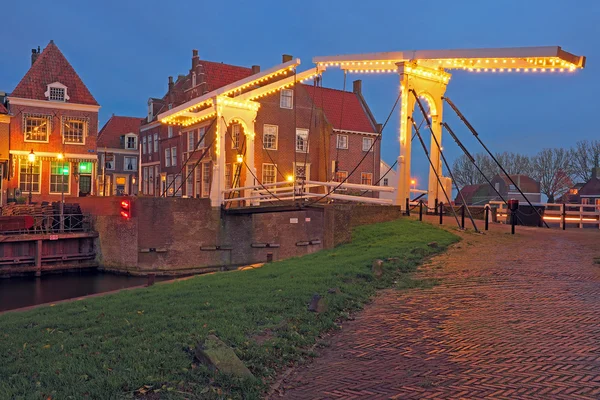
[
  {"x": 420, "y": 210},
  {"x": 441, "y": 212},
  {"x": 407, "y": 207},
  {"x": 564, "y": 216},
  {"x": 38, "y": 258},
  {"x": 462, "y": 217}
]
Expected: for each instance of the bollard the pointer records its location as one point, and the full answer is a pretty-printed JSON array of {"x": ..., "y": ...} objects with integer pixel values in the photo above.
[
  {"x": 512, "y": 222},
  {"x": 407, "y": 207},
  {"x": 462, "y": 217},
  {"x": 151, "y": 279},
  {"x": 564, "y": 217},
  {"x": 441, "y": 212},
  {"x": 269, "y": 257},
  {"x": 435, "y": 207},
  {"x": 420, "y": 210},
  {"x": 487, "y": 216}
]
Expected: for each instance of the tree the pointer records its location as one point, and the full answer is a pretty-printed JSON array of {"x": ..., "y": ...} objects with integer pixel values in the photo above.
[
  {"x": 514, "y": 163},
  {"x": 551, "y": 169},
  {"x": 583, "y": 157},
  {"x": 466, "y": 174}
]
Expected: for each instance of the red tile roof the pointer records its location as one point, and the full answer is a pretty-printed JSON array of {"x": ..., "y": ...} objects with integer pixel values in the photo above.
[
  {"x": 218, "y": 74},
  {"x": 524, "y": 182},
  {"x": 355, "y": 116},
  {"x": 52, "y": 66},
  {"x": 3, "y": 109},
  {"x": 115, "y": 127},
  {"x": 468, "y": 192}
]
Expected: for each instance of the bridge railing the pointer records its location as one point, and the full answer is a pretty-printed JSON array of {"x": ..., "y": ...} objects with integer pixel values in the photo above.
[
  {"x": 45, "y": 223},
  {"x": 561, "y": 214}
]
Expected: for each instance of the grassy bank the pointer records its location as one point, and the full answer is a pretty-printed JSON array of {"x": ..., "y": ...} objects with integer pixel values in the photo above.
[{"x": 140, "y": 343}]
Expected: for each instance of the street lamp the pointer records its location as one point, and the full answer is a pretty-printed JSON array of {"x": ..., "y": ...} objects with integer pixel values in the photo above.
[
  {"x": 414, "y": 183},
  {"x": 31, "y": 159}
]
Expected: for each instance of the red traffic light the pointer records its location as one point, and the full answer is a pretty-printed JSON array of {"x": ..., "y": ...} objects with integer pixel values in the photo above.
[{"x": 126, "y": 208}]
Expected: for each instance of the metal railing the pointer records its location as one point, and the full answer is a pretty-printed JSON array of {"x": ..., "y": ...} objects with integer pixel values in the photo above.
[
  {"x": 45, "y": 224},
  {"x": 561, "y": 214}
]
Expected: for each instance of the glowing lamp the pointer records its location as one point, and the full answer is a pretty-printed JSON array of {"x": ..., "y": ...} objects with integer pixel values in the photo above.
[
  {"x": 290, "y": 178},
  {"x": 240, "y": 158},
  {"x": 31, "y": 156},
  {"x": 413, "y": 182},
  {"x": 126, "y": 209},
  {"x": 60, "y": 156}
]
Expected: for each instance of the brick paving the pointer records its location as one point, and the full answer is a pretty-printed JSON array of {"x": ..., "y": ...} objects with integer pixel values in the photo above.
[{"x": 512, "y": 318}]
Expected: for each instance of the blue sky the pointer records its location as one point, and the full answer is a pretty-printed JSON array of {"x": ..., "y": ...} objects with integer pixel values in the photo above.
[{"x": 125, "y": 50}]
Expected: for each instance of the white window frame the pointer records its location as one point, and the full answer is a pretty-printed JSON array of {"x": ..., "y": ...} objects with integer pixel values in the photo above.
[
  {"x": 342, "y": 142},
  {"x": 205, "y": 182},
  {"x": 151, "y": 179},
  {"x": 155, "y": 142},
  {"x": 228, "y": 177},
  {"x": 84, "y": 132},
  {"x": 145, "y": 180},
  {"x": 135, "y": 141},
  {"x": 236, "y": 136},
  {"x": 27, "y": 177},
  {"x": 343, "y": 175},
  {"x": 302, "y": 132},
  {"x": 167, "y": 157},
  {"x": 265, "y": 181},
  {"x": 144, "y": 141},
  {"x": 284, "y": 96},
  {"x": 68, "y": 180},
  {"x": 306, "y": 171},
  {"x": 135, "y": 162},
  {"x": 189, "y": 181},
  {"x": 170, "y": 131},
  {"x": 362, "y": 178},
  {"x": 191, "y": 139},
  {"x": 48, "y": 119},
  {"x": 59, "y": 86},
  {"x": 274, "y": 133},
  {"x": 369, "y": 142},
  {"x": 173, "y": 156},
  {"x": 201, "y": 137}
]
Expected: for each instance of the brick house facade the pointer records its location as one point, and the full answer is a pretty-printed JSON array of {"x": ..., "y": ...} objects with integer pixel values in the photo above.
[
  {"x": 4, "y": 149},
  {"x": 118, "y": 156},
  {"x": 54, "y": 123},
  {"x": 296, "y": 132}
]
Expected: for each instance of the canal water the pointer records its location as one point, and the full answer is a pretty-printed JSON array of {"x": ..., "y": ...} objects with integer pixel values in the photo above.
[{"x": 29, "y": 291}]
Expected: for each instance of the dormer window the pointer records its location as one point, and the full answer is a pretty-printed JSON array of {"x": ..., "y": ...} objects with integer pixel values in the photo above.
[
  {"x": 130, "y": 142},
  {"x": 57, "y": 92}
]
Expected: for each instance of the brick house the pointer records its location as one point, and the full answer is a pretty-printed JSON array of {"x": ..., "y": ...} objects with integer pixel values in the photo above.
[
  {"x": 483, "y": 193},
  {"x": 53, "y": 131},
  {"x": 118, "y": 156},
  {"x": 4, "y": 150},
  {"x": 294, "y": 130}
]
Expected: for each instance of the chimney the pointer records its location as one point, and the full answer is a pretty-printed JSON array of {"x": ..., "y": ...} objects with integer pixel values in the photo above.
[
  {"x": 286, "y": 57},
  {"x": 596, "y": 172},
  {"x": 35, "y": 54},
  {"x": 255, "y": 69},
  {"x": 357, "y": 86},
  {"x": 195, "y": 59},
  {"x": 379, "y": 127},
  {"x": 170, "y": 83}
]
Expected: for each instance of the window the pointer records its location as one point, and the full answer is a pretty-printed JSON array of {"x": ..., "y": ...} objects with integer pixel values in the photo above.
[
  {"x": 269, "y": 173},
  {"x": 342, "y": 141},
  {"x": 101, "y": 184},
  {"x": 366, "y": 178},
  {"x": 585, "y": 200},
  {"x": 497, "y": 186},
  {"x": 170, "y": 185},
  {"x": 151, "y": 182},
  {"x": 170, "y": 131},
  {"x": 191, "y": 140},
  {"x": 302, "y": 140},
  {"x": 59, "y": 177},
  {"x": 227, "y": 176},
  {"x": 286, "y": 99},
  {"x": 29, "y": 177},
  {"x": 205, "y": 179},
  {"x": 201, "y": 132},
  {"x": 85, "y": 168},
  {"x": 57, "y": 94},
  {"x": 36, "y": 127},
  {"x": 301, "y": 171},
  {"x": 109, "y": 160},
  {"x": 155, "y": 143},
  {"x": 340, "y": 176},
  {"x": 198, "y": 180},
  {"x": 270, "y": 137},
  {"x": 130, "y": 163},
  {"x": 235, "y": 136},
  {"x": 145, "y": 180},
  {"x": 367, "y": 143},
  {"x": 385, "y": 182},
  {"x": 512, "y": 187},
  {"x": 193, "y": 79},
  {"x": 74, "y": 130},
  {"x": 173, "y": 156},
  {"x": 131, "y": 142},
  {"x": 168, "y": 157},
  {"x": 144, "y": 145},
  {"x": 189, "y": 181}
]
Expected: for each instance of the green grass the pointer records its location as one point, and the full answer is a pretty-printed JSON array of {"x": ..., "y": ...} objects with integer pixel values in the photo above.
[{"x": 140, "y": 343}]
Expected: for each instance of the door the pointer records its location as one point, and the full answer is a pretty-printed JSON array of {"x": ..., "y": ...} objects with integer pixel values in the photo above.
[{"x": 85, "y": 185}]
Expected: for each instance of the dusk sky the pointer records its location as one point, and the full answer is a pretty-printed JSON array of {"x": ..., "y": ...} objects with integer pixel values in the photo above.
[{"x": 125, "y": 50}]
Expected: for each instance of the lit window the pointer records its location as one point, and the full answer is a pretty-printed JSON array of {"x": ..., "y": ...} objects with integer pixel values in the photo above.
[
  {"x": 130, "y": 163},
  {"x": 227, "y": 176},
  {"x": 131, "y": 143},
  {"x": 85, "y": 168},
  {"x": 342, "y": 141},
  {"x": 205, "y": 179},
  {"x": 59, "y": 177},
  {"x": 168, "y": 157},
  {"x": 302, "y": 140},
  {"x": 173, "y": 156},
  {"x": 235, "y": 135},
  {"x": 155, "y": 143},
  {"x": 270, "y": 137},
  {"x": 366, "y": 178},
  {"x": 340, "y": 176},
  {"x": 286, "y": 99},
  {"x": 367, "y": 144},
  {"x": 178, "y": 185},
  {"x": 29, "y": 177},
  {"x": 74, "y": 130},
  {"x": 36, "y": 127},
  {"x": 269, "y": 173},
  {"x": 201, "y": 135},
  {"x": 300, "y": 171},
  {"x": 57, "y": 94}
]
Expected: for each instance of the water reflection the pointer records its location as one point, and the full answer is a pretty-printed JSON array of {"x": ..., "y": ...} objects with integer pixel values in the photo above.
[{"x": 29, "y": 291}]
